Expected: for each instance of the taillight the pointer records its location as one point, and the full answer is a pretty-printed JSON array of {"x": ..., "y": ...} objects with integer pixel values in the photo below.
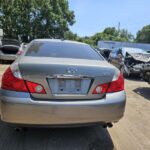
[
  {"x": 114, "y": 86},
  {"x": 10, "y": 82},
  {"x": 100, "y": 89},
  {"x": 35, "y": 88},
  {"x": 117, "y": 85},
  {"x": 13, "y": 83}
]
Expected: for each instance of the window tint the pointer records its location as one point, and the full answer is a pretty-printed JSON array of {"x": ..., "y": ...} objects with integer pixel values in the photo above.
[{"x": 62, "y": 50}]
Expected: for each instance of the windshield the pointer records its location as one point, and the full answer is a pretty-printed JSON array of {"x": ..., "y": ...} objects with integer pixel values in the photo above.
[{"x": 62, "y": 50}]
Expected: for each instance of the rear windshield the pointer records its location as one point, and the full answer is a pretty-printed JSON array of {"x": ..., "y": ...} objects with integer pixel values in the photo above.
[{"x": 62, "y": 50}]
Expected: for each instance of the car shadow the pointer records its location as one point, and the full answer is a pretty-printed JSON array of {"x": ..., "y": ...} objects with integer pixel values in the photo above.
[
  {"x": 143, "y": 91},
  {"x": 85, "y": 138}
]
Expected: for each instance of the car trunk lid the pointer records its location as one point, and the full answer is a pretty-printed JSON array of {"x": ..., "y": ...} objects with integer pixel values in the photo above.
[
  {"x": 9, "y": 49},
  {"x": 65, "y": 78}
]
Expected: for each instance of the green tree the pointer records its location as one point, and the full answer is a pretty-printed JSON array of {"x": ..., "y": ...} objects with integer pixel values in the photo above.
[
  {"x": 35, "y": 18},
  {"x": 70, "y": 36},
  {"x": 111, "y": 33},
  {"x": 88, "y": 40},
  {"x": 143, "y": 35},
  {"x": 125, "y": 35}
]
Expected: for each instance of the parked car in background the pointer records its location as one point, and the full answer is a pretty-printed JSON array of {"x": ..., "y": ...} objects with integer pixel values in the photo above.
[
  {"x": 129, "y": 60},
  {"x": 60, "y": 82},
  {"x": 6, "y": 41},
  {"x": 8, "y": 53},
  {"x": 8, "y": 50}
]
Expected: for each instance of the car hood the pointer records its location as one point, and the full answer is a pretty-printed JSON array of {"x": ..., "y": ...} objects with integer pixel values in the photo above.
[{"x": 141, "y": 57}]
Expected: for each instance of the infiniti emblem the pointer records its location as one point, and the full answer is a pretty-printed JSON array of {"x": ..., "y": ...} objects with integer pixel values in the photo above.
[{"x": 71, "y": 70}]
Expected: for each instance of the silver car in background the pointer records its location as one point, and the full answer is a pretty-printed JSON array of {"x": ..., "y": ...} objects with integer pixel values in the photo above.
[
  {"x": 8, "y": 50},
  {"x": 60, "y": 82},
  {"x": 129, "y": 60}
]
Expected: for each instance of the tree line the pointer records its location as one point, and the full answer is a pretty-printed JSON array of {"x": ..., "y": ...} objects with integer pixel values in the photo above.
[
  {"x": 109, "y": 33},
  {"x": 30, "y": 19},
  {"x": 35, "y": 18}
]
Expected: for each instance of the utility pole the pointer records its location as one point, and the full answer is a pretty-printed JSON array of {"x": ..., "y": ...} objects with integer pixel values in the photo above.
[{"x": 118, "y": 26}]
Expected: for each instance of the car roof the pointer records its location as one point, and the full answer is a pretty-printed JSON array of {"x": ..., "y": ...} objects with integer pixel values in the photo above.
[{"x": 59, "y": 40}]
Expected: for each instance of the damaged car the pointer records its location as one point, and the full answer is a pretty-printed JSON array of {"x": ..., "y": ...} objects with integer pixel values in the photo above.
[{"x": 129, "y": 60}]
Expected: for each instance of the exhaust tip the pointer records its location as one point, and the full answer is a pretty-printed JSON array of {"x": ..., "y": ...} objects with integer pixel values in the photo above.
[
  {"x": 109, "y": 125},
  {"x": 19, "y": 129}
]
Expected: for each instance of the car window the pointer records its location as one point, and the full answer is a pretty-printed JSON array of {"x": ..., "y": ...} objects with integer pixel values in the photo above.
[
  {"x": 114, "y": 52},
  {"x": 62, "y": 50},
  {"x": 119, "y": 51}
]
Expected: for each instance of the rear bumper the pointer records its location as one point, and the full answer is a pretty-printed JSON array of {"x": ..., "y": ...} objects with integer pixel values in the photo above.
[
  {"x": 8, "y": 57},
  {"x": 17, "y": 110}
]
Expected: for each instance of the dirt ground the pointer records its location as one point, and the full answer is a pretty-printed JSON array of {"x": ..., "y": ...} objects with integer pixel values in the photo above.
[{"x": 131, "y": 133}]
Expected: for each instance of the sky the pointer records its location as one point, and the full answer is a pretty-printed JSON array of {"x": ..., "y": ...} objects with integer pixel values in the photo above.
[{"x": 95, "y": 15}]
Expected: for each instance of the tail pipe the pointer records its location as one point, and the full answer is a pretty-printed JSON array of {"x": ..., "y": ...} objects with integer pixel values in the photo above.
[{"x": 109, "y": 125}]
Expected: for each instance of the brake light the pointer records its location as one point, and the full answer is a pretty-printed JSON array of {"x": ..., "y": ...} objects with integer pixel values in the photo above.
[
  {"x": 35, "y": 88},
  {"x": 10, "y": 82},
  {"x": 114, "y": 86},
  {"x": 13, "y": 83},
  {"x": 117, "y": 85},
  {"x": 100, "y": 89}
]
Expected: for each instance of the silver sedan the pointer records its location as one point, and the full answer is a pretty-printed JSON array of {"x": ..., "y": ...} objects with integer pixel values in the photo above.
[{"x": 60, "y": 82}]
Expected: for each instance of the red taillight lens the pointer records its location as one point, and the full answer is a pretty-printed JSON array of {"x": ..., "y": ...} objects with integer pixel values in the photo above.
[
  {"x": 100, "y": 89},
  {"x": 35, "y": 88},
  {"x": 114, "y": 86},
  {"x": 10, "y": 82},
  {"x": 117, "y": 85}
]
